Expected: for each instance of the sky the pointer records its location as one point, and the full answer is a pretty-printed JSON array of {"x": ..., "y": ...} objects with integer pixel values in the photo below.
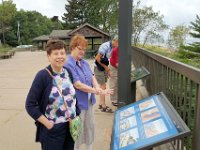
[
  {"x": 176, "y": 12},
  {"x": 48, "y": 8}
]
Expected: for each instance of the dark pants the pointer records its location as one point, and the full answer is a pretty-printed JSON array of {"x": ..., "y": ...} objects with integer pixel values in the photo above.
[{"x": 58, "y": 138}]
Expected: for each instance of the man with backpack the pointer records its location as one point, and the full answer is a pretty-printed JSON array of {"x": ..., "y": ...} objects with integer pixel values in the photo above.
[{"x": 101, "y": 69}]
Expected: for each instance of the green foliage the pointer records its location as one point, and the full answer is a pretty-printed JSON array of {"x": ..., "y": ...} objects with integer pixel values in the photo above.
[
  {"x": 157, "y": 49},
  {"x": 148, "y": 23},
  {"x": 195, "y": 33},
  {"x": 56, "y": 23},
  {"x": 35, "y": 24},
  {"x": 75, "y": 14},
  {"x": 109, "y": 15},
  {"x": 183, "y": 56},
  {"x": 195, "y": 27},
  {"x": 177, "y": 36},
  {"x": 93, "y": 7},
  {"x": 4, "y": 48},
  {"x": 194, "y": 47},
  {"x": 7, "y": 12},
  {"x": 100, "y": 13},
  {"x": 32, "y": 24}
]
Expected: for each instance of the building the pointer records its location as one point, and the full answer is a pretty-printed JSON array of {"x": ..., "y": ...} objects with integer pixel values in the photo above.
[{"x": 94, "y": 35}]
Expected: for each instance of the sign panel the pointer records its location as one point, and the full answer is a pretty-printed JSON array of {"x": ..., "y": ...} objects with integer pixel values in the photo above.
[
  {"x": 139, "y": 73},
  {"x": 141, "y": 124}
]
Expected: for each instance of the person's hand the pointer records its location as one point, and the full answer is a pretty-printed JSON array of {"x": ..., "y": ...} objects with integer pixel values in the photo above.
[
  {"x": 98, "y": 90},
  {"x": 50, "y": 125},
  {"x": 107, "y": 92},
  {"x": 107, "y": 71}
]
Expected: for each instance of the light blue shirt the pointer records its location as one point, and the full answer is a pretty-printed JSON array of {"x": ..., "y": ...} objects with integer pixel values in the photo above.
[{"x": 105, "y": 49}]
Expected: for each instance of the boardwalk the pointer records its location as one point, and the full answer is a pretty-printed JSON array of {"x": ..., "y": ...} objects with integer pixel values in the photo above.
[{"x": 17, "y": 130}]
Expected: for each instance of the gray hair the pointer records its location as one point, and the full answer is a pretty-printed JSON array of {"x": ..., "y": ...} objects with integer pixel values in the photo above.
[{"x": 115, "y": 37}]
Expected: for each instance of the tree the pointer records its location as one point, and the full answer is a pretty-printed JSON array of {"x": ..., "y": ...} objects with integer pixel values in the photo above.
[
  {"x": 32, "y": 24},
  {"x": 195, "y": 33},
  {"x": 92, "y": 12},
  {"x": 109, "y": 13},
  {"x": 100, "y": 13},
  {"x": 75, "y": 14},
  {"x": 196, "y": 28},
  {"x": 177, "y": 37},
  {"x": 103, "y": 14},
  {"x": 7, "y": 12},
  {"x": 57, "y": 24},
  {"x": 146, "y": 23},
  {"x": 152, "y": 37}
]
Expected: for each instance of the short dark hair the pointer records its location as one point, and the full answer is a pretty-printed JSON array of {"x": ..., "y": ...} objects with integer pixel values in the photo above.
[{"x": 54, "y": 44}]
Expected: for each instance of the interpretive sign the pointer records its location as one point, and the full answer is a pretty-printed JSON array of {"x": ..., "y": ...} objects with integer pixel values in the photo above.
[
  {"x": 146, "y": 123},
  {"x": 139, "y": 73}
]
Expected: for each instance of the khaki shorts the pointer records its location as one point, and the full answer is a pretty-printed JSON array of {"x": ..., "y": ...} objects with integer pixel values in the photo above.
[{"x": 100, "y": 76}]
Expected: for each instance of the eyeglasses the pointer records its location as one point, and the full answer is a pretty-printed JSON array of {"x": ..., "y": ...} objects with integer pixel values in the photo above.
[{"x": 81, "y": 49}]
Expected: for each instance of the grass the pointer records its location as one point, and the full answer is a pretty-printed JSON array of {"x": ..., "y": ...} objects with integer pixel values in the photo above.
[
  {"x": 4, "y": 49},
  {"x": 193, "y": 61},
  {"x": 159, "y": 50}
]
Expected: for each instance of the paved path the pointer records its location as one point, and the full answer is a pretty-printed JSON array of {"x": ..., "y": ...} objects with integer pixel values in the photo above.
[{"x": 17, "y": 129}]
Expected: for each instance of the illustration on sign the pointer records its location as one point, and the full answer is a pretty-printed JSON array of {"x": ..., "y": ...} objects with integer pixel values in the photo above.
[{"x": 141, "y": 123}]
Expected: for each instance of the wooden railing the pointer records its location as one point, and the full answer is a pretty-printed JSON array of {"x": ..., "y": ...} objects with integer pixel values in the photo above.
[{"x": 180, "y": 83}]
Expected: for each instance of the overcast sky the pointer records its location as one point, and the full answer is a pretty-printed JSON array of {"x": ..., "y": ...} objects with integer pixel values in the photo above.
[
  {"x": 176, "y": 12},
  {"x": 48, "y": 8}
]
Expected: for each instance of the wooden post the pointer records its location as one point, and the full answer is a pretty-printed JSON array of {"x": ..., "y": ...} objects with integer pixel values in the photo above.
[
  {"x": 125, "y": 34},
  {"x": 196, "y": 133}
]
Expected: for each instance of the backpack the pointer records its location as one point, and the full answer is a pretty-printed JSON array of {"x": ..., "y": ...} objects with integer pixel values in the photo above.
[{"x": 104, "y": 60}]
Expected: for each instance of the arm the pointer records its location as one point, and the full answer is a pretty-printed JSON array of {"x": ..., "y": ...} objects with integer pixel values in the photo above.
[
  {"x": 96, "y": 85},
  {"x": 43, "y": 120},
  {"x": 89, "y": 89},
  {"x": 117, "y": 59},
  {"x": 94, "y": 82},
  {"x": 33, "y": 99},
  {"x": 77, "y": 83},
  {"x": 34, "y": 96},
  {"x": 114, "y": 57},
  {"x": 85, "y": 88},
  {"x": 98, "y": 59},
  {"x": 99, "y": 90}
]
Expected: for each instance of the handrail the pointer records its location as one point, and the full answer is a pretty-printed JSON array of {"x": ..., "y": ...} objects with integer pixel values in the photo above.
[
  {"x": 186, "y": 70},
  {"x": 181, "y": 84}
]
